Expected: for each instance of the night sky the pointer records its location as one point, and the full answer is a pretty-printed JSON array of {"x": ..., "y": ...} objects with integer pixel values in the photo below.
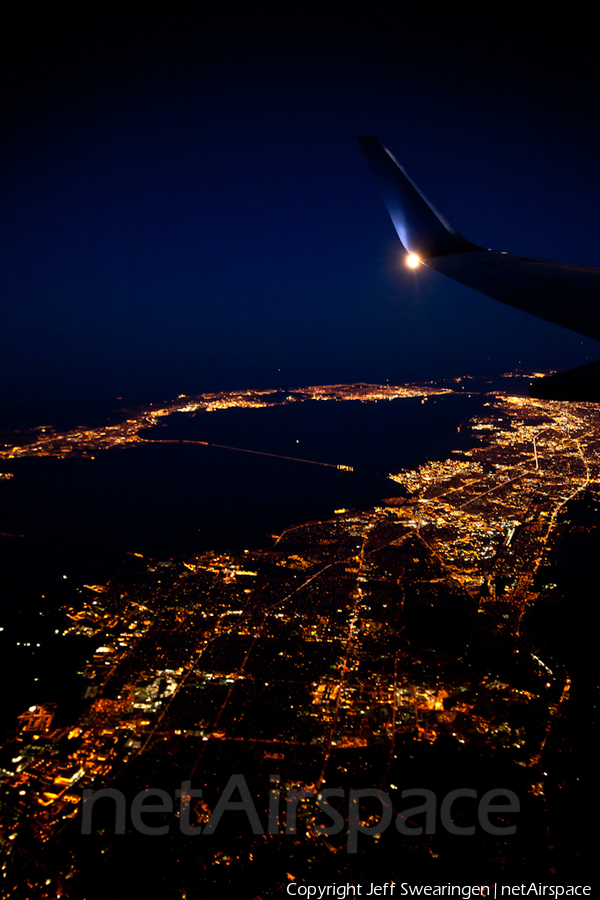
[{"x": 185, "y": 206}]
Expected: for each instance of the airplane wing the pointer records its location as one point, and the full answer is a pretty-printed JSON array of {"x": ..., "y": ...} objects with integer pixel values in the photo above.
[{"x": 565, "y": 294}]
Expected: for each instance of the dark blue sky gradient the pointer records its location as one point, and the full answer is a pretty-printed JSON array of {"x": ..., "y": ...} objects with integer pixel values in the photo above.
[{"x": 185, "y": 206}]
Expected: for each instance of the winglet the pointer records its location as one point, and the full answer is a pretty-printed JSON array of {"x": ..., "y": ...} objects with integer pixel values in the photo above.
[{"x": 421, "y": 228}]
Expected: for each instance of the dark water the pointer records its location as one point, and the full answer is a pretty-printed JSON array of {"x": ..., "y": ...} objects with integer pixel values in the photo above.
[
  {"x": 158, "y": 498},
  {"x": 78, "y": 518},
  {"x": 381, "y": 436}
]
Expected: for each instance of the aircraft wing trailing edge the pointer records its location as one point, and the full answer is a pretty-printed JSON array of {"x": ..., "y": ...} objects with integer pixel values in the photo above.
[{"x": 565, "y": 294}]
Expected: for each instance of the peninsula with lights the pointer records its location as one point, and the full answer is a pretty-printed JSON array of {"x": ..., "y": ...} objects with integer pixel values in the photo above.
[{"x": 341, "y": 654}]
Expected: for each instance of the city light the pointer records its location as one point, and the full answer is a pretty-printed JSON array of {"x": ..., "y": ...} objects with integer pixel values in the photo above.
[{"x": 214, "y": 649}]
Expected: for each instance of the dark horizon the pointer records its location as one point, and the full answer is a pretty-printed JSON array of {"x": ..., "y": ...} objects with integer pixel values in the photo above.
[{"x": 186, "y": 208}]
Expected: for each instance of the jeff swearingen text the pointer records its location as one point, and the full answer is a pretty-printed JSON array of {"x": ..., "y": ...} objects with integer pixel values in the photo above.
[{"x": 463, "y": 891}]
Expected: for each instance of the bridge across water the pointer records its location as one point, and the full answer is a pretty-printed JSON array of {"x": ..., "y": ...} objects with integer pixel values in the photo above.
[{"x": 312, "y": 462}]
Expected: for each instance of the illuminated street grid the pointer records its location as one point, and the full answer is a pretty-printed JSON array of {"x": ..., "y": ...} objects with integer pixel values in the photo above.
[{"x": 310, "y": 643}]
